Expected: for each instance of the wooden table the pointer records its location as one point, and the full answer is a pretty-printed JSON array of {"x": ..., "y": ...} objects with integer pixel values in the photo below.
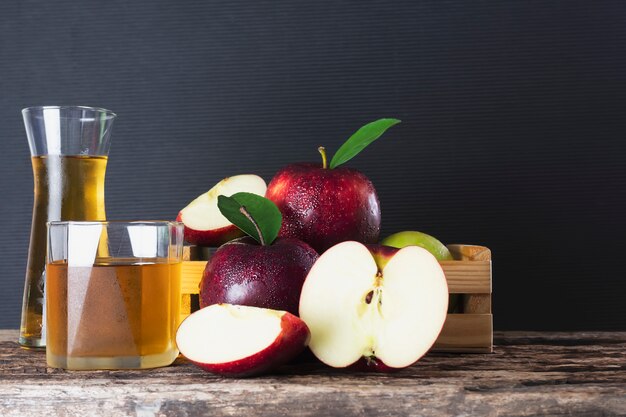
[{"x": 529, "y": 373}]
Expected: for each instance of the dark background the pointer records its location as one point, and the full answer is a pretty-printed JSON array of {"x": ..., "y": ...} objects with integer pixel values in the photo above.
[{"x": 513, "y": 132}]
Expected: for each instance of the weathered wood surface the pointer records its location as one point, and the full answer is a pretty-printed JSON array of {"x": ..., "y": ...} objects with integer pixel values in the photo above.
[{"x": 529, "y": 374}]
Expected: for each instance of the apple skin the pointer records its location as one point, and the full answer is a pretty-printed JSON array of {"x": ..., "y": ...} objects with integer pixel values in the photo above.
[
  {"x": 291, "y": 341},
  {"x": 215, "y": 237},
  {"x": 371, "y": 365},
  {"x": 428, "y": 242},
  {"x": 382, "y": 254},
  {"x": 245, "y": 273},
  {"x": 325, "y": 206}
]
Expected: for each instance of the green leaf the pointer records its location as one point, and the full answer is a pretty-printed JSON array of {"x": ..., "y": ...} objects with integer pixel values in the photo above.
[
  {"x": 360, "y": 139},
  {"x": 263, "y": 218}
]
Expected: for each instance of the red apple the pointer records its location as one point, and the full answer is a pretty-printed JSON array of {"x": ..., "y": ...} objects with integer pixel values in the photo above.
[
  {"x": 323, "y": 206},
  {"x": 245, "y": 272},
  {"x": 204, "y": 224},
  {"x": 241, "y": 341},
  {"x": 375, "y": 307}
]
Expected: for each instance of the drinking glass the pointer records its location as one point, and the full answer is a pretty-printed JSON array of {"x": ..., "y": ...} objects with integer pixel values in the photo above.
[
  {"x": 69, "y": 146},
  {"x": 113, "y": 294}
]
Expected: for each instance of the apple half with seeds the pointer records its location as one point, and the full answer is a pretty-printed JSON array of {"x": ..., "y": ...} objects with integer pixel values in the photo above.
[
  {"x": 241, "y": 341},
  {"x": 204, "y": 224},
  {"x": 373, "y": 307}
]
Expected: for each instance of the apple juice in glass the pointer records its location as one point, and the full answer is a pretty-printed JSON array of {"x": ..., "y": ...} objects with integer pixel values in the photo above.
[
  {"x": 118, "y": 311},
  {"x": 69, "y": 148}
]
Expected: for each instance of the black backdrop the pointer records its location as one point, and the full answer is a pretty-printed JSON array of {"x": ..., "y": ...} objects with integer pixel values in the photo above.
[{"x": 513, "y": 132}]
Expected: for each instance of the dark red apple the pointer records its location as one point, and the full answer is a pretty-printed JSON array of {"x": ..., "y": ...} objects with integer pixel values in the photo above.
[
  {"x": 245, "y": 272},
  {"x": 241, "y": 341},
  {"x": 324, "y": 206}
]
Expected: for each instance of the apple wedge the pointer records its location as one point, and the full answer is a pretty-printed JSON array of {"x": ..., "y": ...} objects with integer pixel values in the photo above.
[
  {"x": 373, "y": 307},
  {"x": 240, "y": 341},
  {"x": 204, "y": 224}
]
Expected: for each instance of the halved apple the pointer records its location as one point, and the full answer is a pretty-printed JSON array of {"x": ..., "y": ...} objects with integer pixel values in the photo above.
[
  {"x": 204, "y": 224},
  {"x": 239, "y": 341},
  {"x": 373, "y": 306}
]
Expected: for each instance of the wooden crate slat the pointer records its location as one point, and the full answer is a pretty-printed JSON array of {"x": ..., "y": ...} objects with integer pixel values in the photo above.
[
  {"x": 467, "y": 277},
  {"x": 470, "y": 252},
  {"x": 466, "y": 333},
  {"x": 464, "y": 277},
  {"x": 197, "y": 253},
  {"x": 191, "y": 276},
  {"x": 185, "y": 307},
  {"x": 474, "y": 303}
]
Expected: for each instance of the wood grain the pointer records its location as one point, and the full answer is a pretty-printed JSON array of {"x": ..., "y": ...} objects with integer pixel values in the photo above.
[
  {"x": 470, "y": 273},
  {"x": 472, "y": 252},
  {"x": 529, "y": 374},
  {"x": 191, "y": 275},
  {"x": 194, "y": 262},
  {"x": 474, "y": 303},
  {"x": 464, "y": 277},
  {"x": 469, "y": 333},
  {"x": 467, "y": 277}
]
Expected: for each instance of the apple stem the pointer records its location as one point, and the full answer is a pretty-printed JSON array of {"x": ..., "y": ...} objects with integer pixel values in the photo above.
[
  {"x": 322, "y": 151},
  {"x": 245, "y": 212}
]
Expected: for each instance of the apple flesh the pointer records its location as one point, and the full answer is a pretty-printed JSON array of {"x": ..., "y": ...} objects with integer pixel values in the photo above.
[
  {"x": 204, "y": 224},
  {"x": 375, "y": 307},
  {"x": 240, "y": 341},
  {"x": 247, "y": 273},
  {"x": 432, "y": 245},
  {"x": 325, "y": 206}
]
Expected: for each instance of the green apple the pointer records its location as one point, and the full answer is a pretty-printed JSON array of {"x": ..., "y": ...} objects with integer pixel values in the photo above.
[{"x": 432, "y": 245}]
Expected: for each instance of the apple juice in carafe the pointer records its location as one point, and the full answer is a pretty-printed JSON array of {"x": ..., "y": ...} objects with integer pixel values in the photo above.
[
  {"x": 114, "y": 314},
  {"x": 66, "y": 188}
]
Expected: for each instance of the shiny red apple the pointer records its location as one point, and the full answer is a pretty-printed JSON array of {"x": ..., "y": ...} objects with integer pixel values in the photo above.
[
  {"x": 323, "y": 206},
  {"x": 245, "y": 272}
]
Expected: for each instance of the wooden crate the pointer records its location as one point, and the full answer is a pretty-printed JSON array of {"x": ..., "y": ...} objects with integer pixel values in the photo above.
[
  {"x": 194, "y": 261},
  {"x": 470, "y": 330}
]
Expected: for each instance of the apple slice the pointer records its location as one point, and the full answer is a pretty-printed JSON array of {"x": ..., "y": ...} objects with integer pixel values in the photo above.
[
  {"x": 378, "y": 306},
  {"x": 204, "y": 224},
  {"x": 240, "y": 341}
]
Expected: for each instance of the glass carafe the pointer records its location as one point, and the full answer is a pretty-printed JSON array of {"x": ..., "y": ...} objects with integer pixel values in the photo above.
[{"x": 69, "y": 147}]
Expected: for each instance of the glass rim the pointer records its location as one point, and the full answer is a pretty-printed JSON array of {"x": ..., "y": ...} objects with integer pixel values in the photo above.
[
  {"x": 108, "y": 113},
  {"x": 116, "y": 222}
]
